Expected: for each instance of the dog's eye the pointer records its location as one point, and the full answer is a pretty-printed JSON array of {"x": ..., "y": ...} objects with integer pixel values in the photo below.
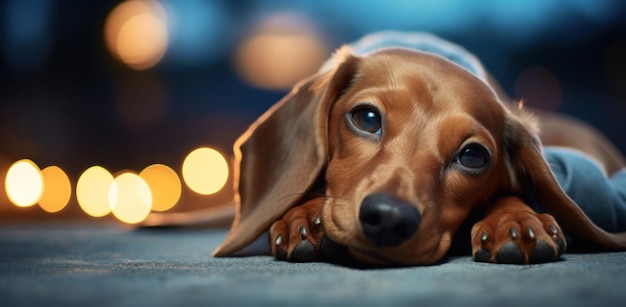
[
  {"x": 366, "y": 119},
  {"x": 473, "y": 156}
]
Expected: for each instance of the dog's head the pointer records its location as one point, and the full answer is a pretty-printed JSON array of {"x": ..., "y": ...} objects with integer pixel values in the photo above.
[
  {"x": 415, "y": 142},
  {"x": 405, "y": 144}
]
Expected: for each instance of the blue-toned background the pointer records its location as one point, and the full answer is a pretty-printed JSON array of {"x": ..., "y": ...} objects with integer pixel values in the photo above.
[{"x": 67, "y": 99}]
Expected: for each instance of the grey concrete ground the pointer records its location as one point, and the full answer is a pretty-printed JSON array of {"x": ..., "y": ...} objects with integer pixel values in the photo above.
[{"x": 105, "y": 265}]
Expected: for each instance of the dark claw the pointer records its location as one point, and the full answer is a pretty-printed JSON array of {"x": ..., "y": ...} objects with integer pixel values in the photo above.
[
  {"x": 553, "y": 230},
  {"x": 531, "y": 233},
  {"x": 510, "y": 253},
  {"x": 482, "y": 255},
  {"x": 542, "y": 253},
  {"x": 303, "y": 232},
  {"x": 304, "y": 252},
  {"x": 513, "y": 233},
  {"x": 484, "y": 237}
]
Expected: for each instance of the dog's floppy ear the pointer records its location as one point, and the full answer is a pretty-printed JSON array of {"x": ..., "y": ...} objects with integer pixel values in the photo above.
[
  {"x": 531, "y": 177},
  {"x": 283, "y": 153}
]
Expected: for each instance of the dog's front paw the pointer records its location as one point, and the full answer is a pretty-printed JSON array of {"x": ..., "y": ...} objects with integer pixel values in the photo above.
[
  {"x": 297, "y": 236},
  {"x": 517, "y": 237}
]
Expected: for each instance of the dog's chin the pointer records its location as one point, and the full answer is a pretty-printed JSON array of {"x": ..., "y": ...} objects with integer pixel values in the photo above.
[
  {"x": 429, "y": 252},
  {"x": 425, "y": 248},
  {"x": 372, "y": 258},
  {"x": 379, "y": 258}
]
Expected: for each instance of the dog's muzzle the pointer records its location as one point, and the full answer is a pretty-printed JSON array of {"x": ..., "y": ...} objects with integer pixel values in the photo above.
[{"x": 387, "y": 221}]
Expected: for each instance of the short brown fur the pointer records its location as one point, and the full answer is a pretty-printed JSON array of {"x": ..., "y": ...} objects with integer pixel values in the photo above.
[{"x": 431, "y": 108}]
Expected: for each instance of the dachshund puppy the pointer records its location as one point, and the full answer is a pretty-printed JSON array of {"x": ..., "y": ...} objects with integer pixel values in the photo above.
[{"x": 389, "y": 155}]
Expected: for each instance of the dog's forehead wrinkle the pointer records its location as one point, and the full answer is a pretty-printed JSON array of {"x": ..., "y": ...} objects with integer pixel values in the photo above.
[
  {"x": 390, "y": 75},
  {"x": 421, "y": 84},
  {"x": 431, "y": 80}
]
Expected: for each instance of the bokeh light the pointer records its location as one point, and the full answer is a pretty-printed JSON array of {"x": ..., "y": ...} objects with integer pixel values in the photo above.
[
  {"x": 164, "y": 184},
  {"x": 130, "y": 198},
  {"x": 205, "y": 171},
  {"x": 283, "y": 50},
  {"x": 136, "y": 33},
  {"x": 57, "y": 189},
  {"x": 92, "y": 191},
  {"x": 24, "y": 183},
  {"x": 539, "y": 88}
]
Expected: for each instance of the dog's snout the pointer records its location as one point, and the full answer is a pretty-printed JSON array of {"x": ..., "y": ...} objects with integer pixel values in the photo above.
[{"x": 388, "y": 221}]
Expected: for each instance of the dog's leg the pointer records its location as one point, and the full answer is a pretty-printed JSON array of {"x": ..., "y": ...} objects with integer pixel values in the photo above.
[
  {"x": 511, "y": 232},
  {"x": 297, "y": 236}
]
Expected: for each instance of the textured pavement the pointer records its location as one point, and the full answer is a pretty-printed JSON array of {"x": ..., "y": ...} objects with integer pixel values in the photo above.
[{"x": 70, "y": 264}]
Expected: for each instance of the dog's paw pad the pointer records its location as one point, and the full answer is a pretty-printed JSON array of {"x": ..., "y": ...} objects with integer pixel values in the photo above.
[
  {"x": 482, "y": 255},
  {"x": 510, "y": 253},
  {"x": 517, "y": 236},
  {"x": 297, "y": 235},
  {"x": 543, "y": 252},
  {"x": 304, "y": 252}
]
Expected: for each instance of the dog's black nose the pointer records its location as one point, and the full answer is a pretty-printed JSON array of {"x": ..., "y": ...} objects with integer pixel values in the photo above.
[{"x": 387, "y": 221}]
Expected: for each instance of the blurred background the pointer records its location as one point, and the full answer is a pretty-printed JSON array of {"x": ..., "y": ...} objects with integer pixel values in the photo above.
[{"x": 151, "y": 94}]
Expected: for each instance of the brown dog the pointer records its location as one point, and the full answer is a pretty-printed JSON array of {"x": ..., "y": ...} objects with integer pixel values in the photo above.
[{"x": 388, "y": 154}]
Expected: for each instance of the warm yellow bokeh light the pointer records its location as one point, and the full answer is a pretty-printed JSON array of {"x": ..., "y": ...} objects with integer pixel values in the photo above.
[
  {"x": 205, "y": 171},
  {"x": 57, "y": 189},
  {"x": 164, "y": 184},
  {"x": 279, "y": 60},
  {"x": 136, "y": 33},
  {"x": 24, "y": 183},
  {"x": 92, "y": 191},
  {"x": 282, "y": 49},
  {"x": 130, "y": 198}
]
